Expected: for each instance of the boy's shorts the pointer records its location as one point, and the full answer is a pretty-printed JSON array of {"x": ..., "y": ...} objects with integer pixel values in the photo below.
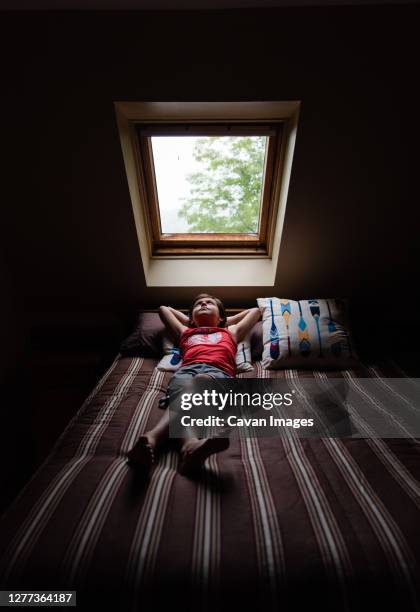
[{"x": 175, "y": 385}]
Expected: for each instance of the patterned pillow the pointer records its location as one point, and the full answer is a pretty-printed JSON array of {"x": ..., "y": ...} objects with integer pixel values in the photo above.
[
  {"x": 243, "y": 356},
  {"x": 305, "y": 334},
  {"x": 172, "y": 360}
]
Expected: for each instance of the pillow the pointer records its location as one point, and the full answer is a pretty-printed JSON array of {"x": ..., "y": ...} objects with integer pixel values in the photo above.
[
  {"x": 243, "y": 356},
  {"x": 305, "y": 334},
  {"x": 146, "y": 340},
  {"x": 256, "y": 339},
  {"x": 172, "y": 361}
]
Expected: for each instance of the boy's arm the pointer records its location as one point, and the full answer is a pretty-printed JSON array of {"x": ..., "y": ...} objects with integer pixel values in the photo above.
[
  {"x": 240, "y": 330},
  {"x": 183, "y": 318},
  {"x": 236, "y": 318},
  {"x": 172, "y": 323}
]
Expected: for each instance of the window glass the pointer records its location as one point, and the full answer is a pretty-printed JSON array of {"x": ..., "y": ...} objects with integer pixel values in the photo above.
[{"x": 210, "y": 184}]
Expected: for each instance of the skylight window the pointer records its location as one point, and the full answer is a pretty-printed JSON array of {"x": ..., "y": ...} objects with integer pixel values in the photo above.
[
  {"x": 209, "y": 187},
  {"x": 184, "y": 250},
  {"x": 209, "y": 184}
]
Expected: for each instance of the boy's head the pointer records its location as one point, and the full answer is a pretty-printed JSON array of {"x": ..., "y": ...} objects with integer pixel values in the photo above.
[{"x": 207, "y": 311}]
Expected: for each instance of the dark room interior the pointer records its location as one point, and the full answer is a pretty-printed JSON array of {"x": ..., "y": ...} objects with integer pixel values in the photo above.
[{"x": 71, "y": 272}]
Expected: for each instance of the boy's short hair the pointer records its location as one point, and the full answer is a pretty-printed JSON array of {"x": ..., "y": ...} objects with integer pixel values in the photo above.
[{"x": 220, "y": 306}]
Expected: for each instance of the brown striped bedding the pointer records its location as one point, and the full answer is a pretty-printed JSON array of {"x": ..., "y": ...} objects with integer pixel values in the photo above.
[{"x": 272, "y": 524}]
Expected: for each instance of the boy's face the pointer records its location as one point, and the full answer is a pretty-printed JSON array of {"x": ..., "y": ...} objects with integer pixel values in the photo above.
[{"x": 205, "y": 313}]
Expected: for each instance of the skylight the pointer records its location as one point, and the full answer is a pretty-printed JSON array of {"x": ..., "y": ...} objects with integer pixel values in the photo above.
[
  {"x": 209, "y": 184},
  {"x": 232, "y": 211}
]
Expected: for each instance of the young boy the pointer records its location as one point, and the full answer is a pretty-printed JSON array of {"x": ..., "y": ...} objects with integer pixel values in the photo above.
[{"x": 208, "y": 349}]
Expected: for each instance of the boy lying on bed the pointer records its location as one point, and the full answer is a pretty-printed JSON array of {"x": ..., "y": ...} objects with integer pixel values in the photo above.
[{"x": 208, "y": 342}]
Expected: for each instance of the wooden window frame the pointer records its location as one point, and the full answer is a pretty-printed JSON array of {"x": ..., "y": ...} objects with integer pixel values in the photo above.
[{"x": 205, "y": 244}]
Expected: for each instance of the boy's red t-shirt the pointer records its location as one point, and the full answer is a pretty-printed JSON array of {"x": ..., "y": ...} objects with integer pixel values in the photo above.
[{"x": 212, "y": 345}]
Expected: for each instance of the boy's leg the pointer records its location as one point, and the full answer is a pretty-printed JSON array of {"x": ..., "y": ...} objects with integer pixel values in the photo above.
[
  {"x": 194, "y": 451},
  {"x": 143, "y": 452}
]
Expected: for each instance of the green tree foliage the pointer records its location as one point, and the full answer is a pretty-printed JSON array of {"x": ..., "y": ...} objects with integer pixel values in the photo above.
[{"x": 225, "y": 194}]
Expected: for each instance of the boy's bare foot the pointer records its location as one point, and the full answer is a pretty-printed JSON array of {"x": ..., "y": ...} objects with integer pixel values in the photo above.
[
  {"x": 195, "y": 452},
  {"x": 142, "y": 454}
]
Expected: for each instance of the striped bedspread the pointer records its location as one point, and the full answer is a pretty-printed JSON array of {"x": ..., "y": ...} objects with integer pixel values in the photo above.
[{"x": 271, "y": 524}]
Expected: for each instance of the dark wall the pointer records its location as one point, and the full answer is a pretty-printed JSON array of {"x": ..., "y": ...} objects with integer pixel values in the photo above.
[
  {"x": 15, "y": 447},
  {"x": 351, "y": 222},
  {"x": 12, "y": 325},
  {"x": 70, "y": 265}
]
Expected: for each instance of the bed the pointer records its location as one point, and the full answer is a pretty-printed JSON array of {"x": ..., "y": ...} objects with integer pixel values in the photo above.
[{"x": 273, "y": 524}]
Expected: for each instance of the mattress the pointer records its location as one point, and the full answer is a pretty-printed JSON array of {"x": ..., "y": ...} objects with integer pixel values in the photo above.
[{"x": 275, "y": 524}]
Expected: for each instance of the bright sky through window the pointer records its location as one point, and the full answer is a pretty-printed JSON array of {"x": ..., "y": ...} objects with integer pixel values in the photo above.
[{"x": 209, "y": 184}]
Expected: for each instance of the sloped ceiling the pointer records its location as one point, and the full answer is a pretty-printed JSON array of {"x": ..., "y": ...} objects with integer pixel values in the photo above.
[
  {"x": 351, "y": 221},
  {"x": 181, "y": 5}
]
